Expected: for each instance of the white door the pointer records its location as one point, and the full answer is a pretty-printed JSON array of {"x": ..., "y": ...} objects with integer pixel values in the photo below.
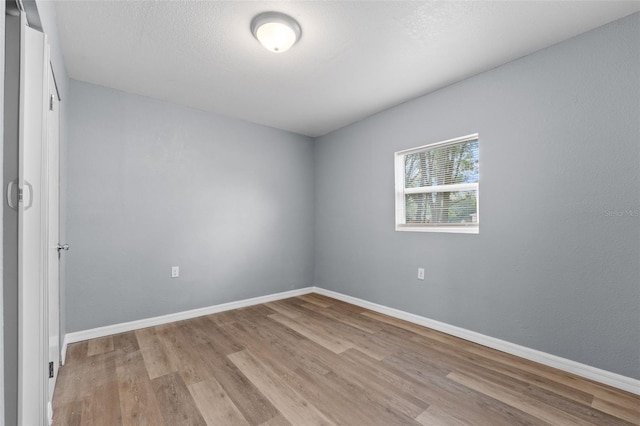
[
  {"x": 53, "y": 153},
  {"x": 33, "y": 336}
]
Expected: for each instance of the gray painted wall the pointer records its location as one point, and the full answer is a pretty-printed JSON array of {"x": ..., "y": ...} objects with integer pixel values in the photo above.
[
  {"x": 556, "y": 266},
  {"x": 153, "y": 185}
]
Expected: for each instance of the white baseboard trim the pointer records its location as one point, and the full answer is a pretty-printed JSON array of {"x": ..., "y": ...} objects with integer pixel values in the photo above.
[
  {"x": 63, "y": 351},
  {"x": 79, "y": 336},
  {"x": 602, "y": 376}
]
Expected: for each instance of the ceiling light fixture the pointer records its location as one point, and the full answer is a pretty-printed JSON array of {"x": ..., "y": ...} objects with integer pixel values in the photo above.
[{"x": 276, "y": 31}]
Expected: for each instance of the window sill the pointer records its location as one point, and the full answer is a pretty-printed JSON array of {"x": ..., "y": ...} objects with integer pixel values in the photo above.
[{"x": 449, "y": 229}]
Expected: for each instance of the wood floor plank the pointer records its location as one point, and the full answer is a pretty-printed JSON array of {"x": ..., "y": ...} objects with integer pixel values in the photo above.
[
  {"x": 102, "y": 408},
  {"x": 279, "y": 420},
  {"x": 557, "y": 394},
  {"x": 584, "y": 412},
  {"x": 68, "y": 414},
  {"x": 453, "y": 353},
  {"x": 548, "y": 373},
  {"x": 532, "y": 379},
  {"x": 329, "y": 300},
  {"x": 410, "y": 390},
  {"x": 185, "y": 357},
  {"x": 169, "y": 338},
  {"x": 215, "y": 405},
  {"x": 289, "y": 310},
  {"x": 100, "y": 346},
  {"x": 308, "y": 356},
  {"x": 253, "y": 405},
  {"x": 448, "y": 395},
  {"x": 335, "y": 404},
  {"x": 324, "y": 338},
  {"x": 199, "y": 331},
  {"x": 207, "y": 332},
  {"x": 435, "y": 416},
  {"x": 232, "y": 337},
  {"x": 618, "y": 397},
  {"x": 269, "y": 353},
  {"x": 274, "y": 342},
  {"x": 176, "y": 404},
  {"x": 222, "y": 318},
  {"x": 317, "y": 360},
  {"x": 77, "y": 351},
  {"x": 256, "y": 311},
  {"x": 347, "y": 307},
  {"x": 292, "y": 406},
  {"x": 346, "y": 317},
  {"x": 318, "y": 301},
  {"x": 155, "y": 358},
  {"x": 78, "y": 380},
  {"x": 126, "y": 342},
  {"x": 630, "y": 414},
  {"x": 138, "y": 403},
  {"x": 358, "y": 338},
  {"x": 361, "y": 401},
  {"x": 380, "y": 387},
  {"x": 528, "y": 405},
  {"x": 343, "y": 401},
  {"x": 383, "y": 414}
]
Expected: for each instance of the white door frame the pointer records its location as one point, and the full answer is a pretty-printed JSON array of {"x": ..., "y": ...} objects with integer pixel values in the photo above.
[
  {"x": 33, "y": 327},
  {"x": 53, "y": 235}
]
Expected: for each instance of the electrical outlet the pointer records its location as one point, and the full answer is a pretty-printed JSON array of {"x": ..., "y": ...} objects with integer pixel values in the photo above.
[
  {"x": 421, "y": 273},
  {"x": 175, "y": 271}
]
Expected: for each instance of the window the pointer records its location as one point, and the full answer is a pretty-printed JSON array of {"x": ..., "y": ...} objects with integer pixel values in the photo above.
[{"x": 437, "y": 187}]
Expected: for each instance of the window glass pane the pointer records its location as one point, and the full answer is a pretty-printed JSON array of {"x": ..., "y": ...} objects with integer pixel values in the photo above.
[
  {"x": 447, "y": 165},
  {"x": 442, "y": 208}
]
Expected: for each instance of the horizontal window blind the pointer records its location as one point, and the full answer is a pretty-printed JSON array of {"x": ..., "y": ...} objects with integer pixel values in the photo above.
[
  {"x": 446, "y": 165},
  {"x": 441, "y": 208}
]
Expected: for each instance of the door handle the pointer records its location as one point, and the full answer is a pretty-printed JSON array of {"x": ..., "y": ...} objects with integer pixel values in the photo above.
[
  {"x": 10, "y": 186},
  {"x": 62, "y": 247},
  {"x": 20, "y": 194}
]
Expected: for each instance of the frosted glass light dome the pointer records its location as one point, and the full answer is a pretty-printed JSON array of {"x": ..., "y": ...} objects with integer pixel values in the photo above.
[{"x": 276, "y": 31}]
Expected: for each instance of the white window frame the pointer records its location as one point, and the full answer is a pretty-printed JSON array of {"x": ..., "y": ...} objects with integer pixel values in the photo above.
[{"x": 401, "y": 191}]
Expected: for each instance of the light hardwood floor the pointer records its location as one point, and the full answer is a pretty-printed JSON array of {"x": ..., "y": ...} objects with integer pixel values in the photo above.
[{"x": 312, "y": 360}]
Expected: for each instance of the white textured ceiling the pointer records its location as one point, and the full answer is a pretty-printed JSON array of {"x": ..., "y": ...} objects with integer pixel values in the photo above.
[{"x": 355, "y": 58}]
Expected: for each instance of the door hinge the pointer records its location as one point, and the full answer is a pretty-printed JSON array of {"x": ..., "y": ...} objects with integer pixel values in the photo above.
[
  {"x": 20, "y": 194},
  {"x": 51, "y": 370},
  {"x": 50, "y": 102}
]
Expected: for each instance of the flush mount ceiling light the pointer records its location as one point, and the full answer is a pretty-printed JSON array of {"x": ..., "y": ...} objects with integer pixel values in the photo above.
[{"x": 276, "y": 31}]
